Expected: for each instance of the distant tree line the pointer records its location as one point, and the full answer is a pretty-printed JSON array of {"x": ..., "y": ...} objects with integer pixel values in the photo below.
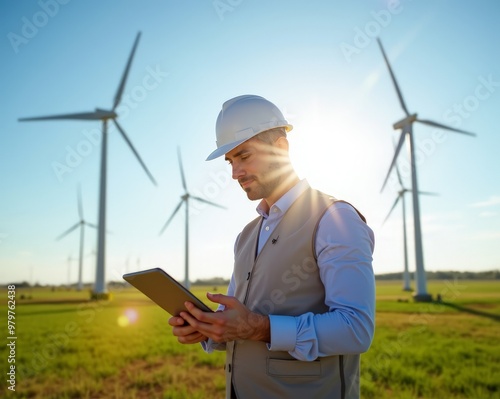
[
  {"x": 446, "y": 275},
  {"x": 215, "y": 281},
  {"x": 218, "y": 281}
]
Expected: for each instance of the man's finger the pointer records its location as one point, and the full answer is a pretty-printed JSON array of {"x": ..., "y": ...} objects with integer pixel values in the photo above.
[
  {"x": 176, "y": 321},
  {"x": 192, "y": 338},
  {"x": 197, "y": 313},
  {"x": 191, "y": 318},
  {"x": 227, "y": 301},
  {"x": 207, "y": 328},
  {"x": 184, "y": 330}
]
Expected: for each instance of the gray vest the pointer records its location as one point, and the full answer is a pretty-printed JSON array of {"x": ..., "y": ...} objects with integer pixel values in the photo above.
[{"x": 284, "y": 280}]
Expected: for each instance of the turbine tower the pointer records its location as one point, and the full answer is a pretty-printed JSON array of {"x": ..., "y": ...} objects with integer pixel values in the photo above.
[
  {"x": 401, "y": 196},
  {"x": 82, "y": 223},
  {"x": 70, "y": 259},
  {"x": 100, "y": 291},
  {"x": 185, "y": 199},
  {"x": 406, "y": 126}
]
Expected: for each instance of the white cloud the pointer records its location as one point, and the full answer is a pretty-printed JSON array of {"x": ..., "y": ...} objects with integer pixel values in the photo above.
[
  {"x": 486, "y": 236},
  {"x": 488, "y": 214},
  {"x": 491, "y": 201}
]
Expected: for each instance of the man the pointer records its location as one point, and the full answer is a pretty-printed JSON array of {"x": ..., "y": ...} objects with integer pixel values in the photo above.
[{"x": 300, "y": 306}]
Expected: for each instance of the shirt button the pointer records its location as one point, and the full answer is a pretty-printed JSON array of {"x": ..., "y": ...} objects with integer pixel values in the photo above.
[{"x": 267, "y": 228}]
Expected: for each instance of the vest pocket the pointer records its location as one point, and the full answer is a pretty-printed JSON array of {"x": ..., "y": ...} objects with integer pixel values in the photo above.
[{"x": 293, "y": 368}]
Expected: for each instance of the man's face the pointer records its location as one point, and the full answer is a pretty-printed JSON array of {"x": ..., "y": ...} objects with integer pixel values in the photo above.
[{"x": 257, "y": 166}]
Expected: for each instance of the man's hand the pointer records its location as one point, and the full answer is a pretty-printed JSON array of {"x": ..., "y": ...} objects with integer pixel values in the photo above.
[
  {"x": 235, "y": 322},
  {"x": 184, "y": 332}
]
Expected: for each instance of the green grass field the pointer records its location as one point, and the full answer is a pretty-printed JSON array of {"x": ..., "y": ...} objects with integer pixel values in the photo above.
[{"x": 68, "y": 347}]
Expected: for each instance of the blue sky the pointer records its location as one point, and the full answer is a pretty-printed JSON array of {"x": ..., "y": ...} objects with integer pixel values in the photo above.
[{"x": 317, "y": 60}]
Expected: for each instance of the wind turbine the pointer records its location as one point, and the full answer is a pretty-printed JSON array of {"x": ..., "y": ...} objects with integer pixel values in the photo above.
[
  {"x": 70, "y": 259},
  {"x": 185, "y": 199},
  {"x": 80, "y": 224},
  {"x": 406, "y": 126},
  {"x": 104, "y": 116},
  {"x": 401, "y": 196}
]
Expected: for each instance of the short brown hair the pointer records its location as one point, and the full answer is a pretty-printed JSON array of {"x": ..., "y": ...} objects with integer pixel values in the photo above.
[{"x": 271, "y": 135}]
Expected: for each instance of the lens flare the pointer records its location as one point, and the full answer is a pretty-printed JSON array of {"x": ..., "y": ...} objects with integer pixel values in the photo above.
[
  {"x": 128, "y": 317},
  {"x": 132, "y": 315}
]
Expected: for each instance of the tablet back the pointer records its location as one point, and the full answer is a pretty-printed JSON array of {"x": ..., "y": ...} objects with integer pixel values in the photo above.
[{"x": 164, "y": 290}]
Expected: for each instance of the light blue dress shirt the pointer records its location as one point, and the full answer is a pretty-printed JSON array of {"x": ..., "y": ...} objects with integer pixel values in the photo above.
[{"x": 344, "y": 248}]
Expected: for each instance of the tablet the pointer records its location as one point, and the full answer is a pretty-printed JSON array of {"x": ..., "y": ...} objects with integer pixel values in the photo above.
[{"x": 164, "y": 290}]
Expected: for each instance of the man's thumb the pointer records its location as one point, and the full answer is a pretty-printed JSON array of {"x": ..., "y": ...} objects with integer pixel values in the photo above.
[{"x": 220, "y": 298}]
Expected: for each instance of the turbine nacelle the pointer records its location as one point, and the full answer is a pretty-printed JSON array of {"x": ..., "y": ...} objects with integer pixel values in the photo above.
[
  {"x": 404, "y": 122},
  {"x": 105, "y": 114}
]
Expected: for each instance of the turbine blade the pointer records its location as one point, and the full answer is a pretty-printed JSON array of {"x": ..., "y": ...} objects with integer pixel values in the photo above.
[
  {"x": 182, "y": 169},
  {"x": 121, "y": 87},
  {"x": 396, "y": 153},
  {"x": 79, "y": 199},
  {"x": 68, "y": 231},
  {"x": 96, "y": 115},
  {"x": 428, "y": 193},
  {"x": 393, "y": 77},
  {"x": 393, "y": 206},
  {"x": 399, "y": 176},
  {"x": 171, "y": 217},
  {"x": 135, "y": 152},
  {"x": 91, "y": 225},
  {"x": 207, "y": 202},
  {"x": 397, "y": 169},
  {"x": 435, "y": 124}
]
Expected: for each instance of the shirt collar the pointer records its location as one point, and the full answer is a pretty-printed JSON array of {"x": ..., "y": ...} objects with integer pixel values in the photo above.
[{"x": 285, "y": 201}]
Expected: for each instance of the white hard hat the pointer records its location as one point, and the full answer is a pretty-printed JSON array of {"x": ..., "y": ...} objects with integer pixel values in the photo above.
[{"x": 242, "y": 118}]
